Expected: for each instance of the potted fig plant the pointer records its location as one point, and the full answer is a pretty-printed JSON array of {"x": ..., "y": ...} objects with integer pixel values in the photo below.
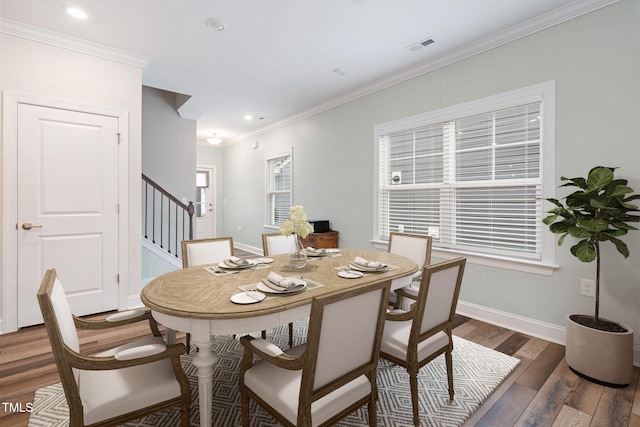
[{"x": 598, "y": 349}]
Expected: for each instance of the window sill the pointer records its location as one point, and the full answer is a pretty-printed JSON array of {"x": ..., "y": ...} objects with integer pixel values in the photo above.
[{"x": 491, "y": 261}]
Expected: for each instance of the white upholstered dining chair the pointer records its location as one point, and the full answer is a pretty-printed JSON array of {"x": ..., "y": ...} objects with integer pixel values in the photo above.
[
  {"x": 275, "y": 244},
  {"x": 206, "y": 251},
  {"x": 413, "y": 338},
  {"x": 417, "y": 248},
  {"x": 117, "y": 385},
  {"x": 330, "y": 376}
]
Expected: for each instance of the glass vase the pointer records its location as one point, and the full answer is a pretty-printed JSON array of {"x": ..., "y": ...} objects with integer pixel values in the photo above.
[{"x": 297, "y": 255}]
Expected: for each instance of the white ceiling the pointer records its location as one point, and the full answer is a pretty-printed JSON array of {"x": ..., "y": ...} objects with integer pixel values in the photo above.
[{"x": 275, "y": 60}]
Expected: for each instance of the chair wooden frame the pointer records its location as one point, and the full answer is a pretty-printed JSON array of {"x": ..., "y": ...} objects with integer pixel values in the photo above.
[
  {"x": 67, "y": 360},
  {"x": 307, "y": 362},
  {"x": 186, "y": 243},
  {"x": 265, "y": 251},
  {"x": 407, "y": 291},
  {"x": 416, "y": 314}
]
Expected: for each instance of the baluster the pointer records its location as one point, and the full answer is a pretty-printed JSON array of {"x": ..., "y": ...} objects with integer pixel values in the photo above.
[
  {"x": 153, "y": 219},
  {"x": 161, "y": 221}
]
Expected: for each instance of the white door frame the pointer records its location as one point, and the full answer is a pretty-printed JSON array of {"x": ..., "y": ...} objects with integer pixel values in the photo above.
[
  {"x": 9, "y": 320},
  {"x": 213, "y": 179}
]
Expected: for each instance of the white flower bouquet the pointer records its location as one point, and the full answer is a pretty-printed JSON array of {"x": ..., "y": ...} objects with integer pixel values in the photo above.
[{"x": 297, "y": 223}]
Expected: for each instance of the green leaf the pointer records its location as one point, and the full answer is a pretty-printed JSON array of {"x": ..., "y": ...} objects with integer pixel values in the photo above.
[
  {"x": 620, "y": 190},
  {"x": 620, "y": 246},
  {"x": 559, "y": 227},
  {"x": 555, "y": 202},
  {"x": 593, "y": 225},
  {"x": 622, "y": 225},
  {"x": 550, "y": 219},
  {"x": 599, "y": 177},
  {"x": 585, "y": 250},
  {"x": 561, "y": 239},
  {"x": 578, "y": 232}
]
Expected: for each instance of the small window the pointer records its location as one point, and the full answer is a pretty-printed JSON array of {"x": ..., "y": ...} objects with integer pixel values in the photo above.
[
  {"x": 279, "y": 182},
  {"x": 202, "y": 187}
]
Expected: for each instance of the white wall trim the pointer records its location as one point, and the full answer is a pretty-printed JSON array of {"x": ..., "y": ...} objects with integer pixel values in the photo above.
[
  {"x": 11, "y": 100},
  {"x": 524, "y": 325},
  {"x": 254, "y": 249},
  {"x": 164, "y": 255},
  {"x": 541, "y": 22},
  {"x": 29, "y": 32}
]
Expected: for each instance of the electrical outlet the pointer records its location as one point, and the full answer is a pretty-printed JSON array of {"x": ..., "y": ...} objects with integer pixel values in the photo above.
[{"x": 588, "y": 287}]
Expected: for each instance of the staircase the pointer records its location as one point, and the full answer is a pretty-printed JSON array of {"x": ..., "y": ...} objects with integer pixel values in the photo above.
[{"x": 166, "y": 222}]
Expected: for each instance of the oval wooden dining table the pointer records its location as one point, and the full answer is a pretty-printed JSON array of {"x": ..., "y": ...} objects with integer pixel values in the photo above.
[{"x": 197, "y": 301}]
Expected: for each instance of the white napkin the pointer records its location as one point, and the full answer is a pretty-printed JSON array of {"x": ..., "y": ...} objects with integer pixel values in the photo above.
[
  {"x": 313, "y": 250},
  {"x": 370, "y": 264},
  {"x": 238, "y": 261},
  {"x": 277, "y": 279}
]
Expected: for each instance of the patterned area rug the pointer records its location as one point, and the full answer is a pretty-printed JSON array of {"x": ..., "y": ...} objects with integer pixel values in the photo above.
[{"x": 478, "y": 371}]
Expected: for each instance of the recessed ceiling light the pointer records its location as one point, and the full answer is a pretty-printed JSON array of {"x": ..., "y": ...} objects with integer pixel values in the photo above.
[
  {"x": 215, "y": 24},
  {"x": 77, "y": 13},
  {"x": 248, "y": 117}
]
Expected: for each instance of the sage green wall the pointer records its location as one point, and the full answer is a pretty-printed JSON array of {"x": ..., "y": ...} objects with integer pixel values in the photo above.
[
  {"x": 168, "y": 144},
  {"x": 168, "y": 158},
  {"x": 595, "y": 62}
]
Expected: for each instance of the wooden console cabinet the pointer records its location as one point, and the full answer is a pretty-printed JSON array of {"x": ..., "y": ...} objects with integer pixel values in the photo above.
[{"x": 325, "y": 240}]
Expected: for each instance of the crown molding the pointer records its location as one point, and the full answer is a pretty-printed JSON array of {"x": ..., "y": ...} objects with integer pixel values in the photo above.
[
  {"x": 42, "y": 35},
  {"x": 541, "y": 22}
]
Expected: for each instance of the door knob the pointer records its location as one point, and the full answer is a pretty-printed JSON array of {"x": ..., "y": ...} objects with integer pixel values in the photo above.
[{"x": 29, "y": 226}]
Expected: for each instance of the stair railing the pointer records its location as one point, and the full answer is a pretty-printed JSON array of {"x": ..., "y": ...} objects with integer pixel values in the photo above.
[{"x": 166, "y": 221}]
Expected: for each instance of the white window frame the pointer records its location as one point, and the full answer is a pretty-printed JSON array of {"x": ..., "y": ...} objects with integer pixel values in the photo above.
[
  {"x": 544, "y": 92},
  {"x": 269, "y": 216}
]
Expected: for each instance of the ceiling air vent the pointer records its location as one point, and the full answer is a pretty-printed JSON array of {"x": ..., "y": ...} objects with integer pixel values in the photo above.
[{"x": 421, "y": 44}]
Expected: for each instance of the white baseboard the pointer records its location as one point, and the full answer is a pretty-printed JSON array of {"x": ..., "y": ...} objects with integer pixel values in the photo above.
[
  {"x": 534, "y": 328},
  {"x": 248, "y": 248}
]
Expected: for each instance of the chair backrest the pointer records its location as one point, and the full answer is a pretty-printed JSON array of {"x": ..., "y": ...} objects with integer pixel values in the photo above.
[
  {"x": 206, "y": 251},
  {"x": 413, "y": 246},
  {"x": 61, "y": 328},
  {"x": 276, "y": 243},
  {"x": 437, "y": 298},
  {"x": 343, "y": 340}
]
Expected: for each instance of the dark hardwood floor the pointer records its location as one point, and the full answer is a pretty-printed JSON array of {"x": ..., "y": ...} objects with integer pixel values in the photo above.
[{"x": 542, "y": 391}]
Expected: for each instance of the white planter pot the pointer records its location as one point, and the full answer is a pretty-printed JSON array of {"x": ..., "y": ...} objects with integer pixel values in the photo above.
[{"x": 600, "y": 356}]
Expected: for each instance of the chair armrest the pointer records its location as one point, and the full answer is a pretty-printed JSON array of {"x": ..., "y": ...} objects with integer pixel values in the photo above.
[
  {"x": 95, "y": 363},
  {"x": 270, "y": 352},
  {"x": 119, "y": 319},
  {"x": 114, "y": 320},
  {"x": 400, "y": 315},
  {"x": 125, "y": 315},
  {"x": 139, "y": 352}
]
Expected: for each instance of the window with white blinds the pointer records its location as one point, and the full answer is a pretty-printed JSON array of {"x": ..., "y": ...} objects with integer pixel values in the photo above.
[
  {"x": 279, "y": 180},
  {"x": 473, "y": 182}
]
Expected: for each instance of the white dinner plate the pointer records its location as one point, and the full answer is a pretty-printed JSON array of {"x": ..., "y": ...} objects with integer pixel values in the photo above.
[
  {"x": 263, "y": 260},
  {"x": 350, "y": 274},
  {"x": 249, "y": 297},
  {"x": 265, "y": 288},
  {"x": 317, "y": 254}
]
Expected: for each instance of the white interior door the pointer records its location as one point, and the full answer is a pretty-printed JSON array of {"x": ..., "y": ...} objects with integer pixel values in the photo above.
[
  {"x": 67, "y": 208},
  {"x": 205, "y": 203}
]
